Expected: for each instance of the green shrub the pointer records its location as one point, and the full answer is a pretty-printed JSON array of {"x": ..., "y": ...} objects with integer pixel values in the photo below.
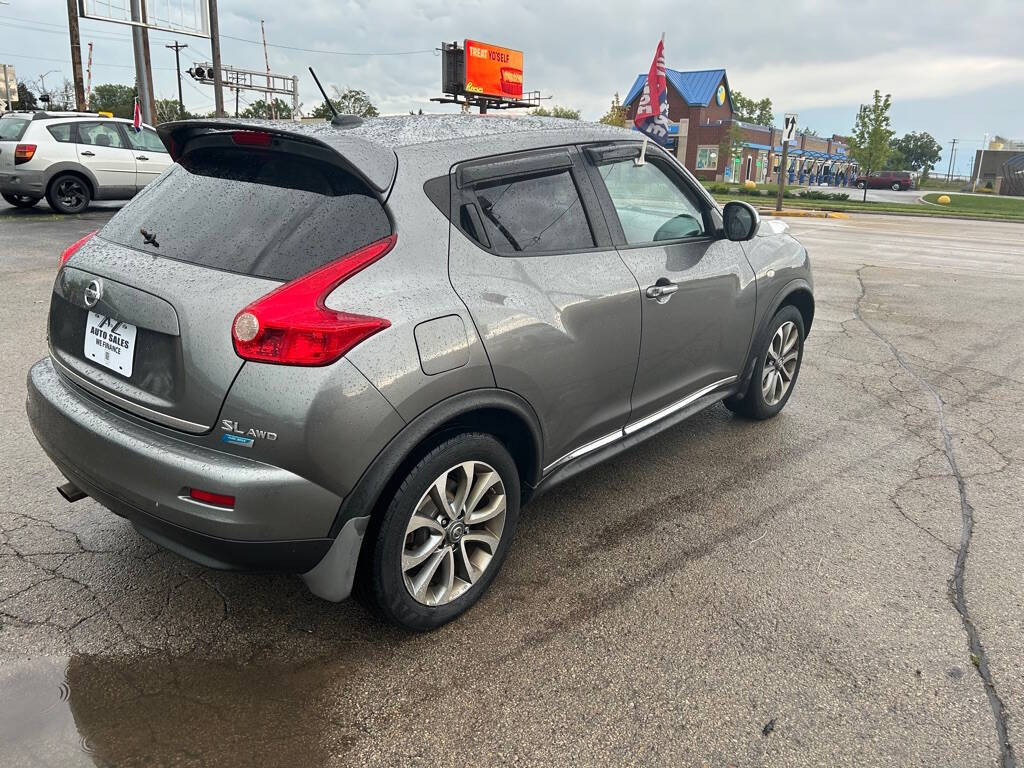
[{"x": 814, "y": 194}]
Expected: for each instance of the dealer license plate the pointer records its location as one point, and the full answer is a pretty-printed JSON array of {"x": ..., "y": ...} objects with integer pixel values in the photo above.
[{"x": 110, "y": 342}]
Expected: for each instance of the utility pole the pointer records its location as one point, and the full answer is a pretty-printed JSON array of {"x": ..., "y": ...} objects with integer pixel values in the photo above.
[
  {"x": 76, "y": 55},
  {"x": 177, "y": 67},
  {"x": 977, "y": 169},
  {"x": 88, "y": 80},
  {"x": 266, "y": 60},
  {"x": 7, "y": 91},
  {"x": 218, "y": 75},
  {"x": 952, "y": 154}
]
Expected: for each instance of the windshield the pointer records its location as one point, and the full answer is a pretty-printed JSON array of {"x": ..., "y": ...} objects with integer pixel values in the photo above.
[{"x": 13, "y": 128}]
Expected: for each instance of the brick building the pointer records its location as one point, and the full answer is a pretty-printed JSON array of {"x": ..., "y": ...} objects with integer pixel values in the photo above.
[{"x": 700, "y": 106}]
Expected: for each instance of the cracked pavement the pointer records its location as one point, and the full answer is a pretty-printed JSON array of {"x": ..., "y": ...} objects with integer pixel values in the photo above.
[{"x": 841, "y": 585}]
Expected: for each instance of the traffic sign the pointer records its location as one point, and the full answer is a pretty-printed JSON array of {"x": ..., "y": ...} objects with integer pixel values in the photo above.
[{"x": 789, "y": 128}]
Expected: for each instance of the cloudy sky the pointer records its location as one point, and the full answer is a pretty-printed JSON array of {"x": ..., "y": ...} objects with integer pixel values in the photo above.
[{"x": 955, "y": 69}]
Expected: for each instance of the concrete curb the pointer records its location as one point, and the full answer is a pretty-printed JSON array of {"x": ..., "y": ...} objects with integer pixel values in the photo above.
[{"x": 804, "y": 213}]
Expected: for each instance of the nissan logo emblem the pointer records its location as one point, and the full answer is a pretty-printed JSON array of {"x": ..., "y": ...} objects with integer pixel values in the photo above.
[{"x": 93, "y": 292}]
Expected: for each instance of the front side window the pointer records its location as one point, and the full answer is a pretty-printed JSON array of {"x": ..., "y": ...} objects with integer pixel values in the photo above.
[
  {"x": 99, "y": 135},
  {"x": 707, "y": 158},
  {"x": 535, "y": 213},
  {"x": 146, "y": 140},
  {"x": 651, "y": 207}
]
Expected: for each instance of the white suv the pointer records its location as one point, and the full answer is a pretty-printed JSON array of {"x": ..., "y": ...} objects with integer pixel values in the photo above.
[{"x": 73, "y": 158}]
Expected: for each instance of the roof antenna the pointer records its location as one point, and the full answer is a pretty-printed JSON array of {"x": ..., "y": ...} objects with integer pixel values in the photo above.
[{"x": 339, "y": 121}]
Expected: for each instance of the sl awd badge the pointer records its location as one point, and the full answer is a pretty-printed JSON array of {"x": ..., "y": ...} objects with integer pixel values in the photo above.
[{"x": 236, "y": 435}]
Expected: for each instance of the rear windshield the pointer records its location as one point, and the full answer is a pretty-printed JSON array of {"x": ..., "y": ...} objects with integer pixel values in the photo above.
[
  {"x": 13, "y": 128},
  {"x": 256, "y": 212}
]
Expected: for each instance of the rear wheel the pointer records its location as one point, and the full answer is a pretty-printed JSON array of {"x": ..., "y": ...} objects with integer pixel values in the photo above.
[
  {"x": 896, "y": 187},
  {"x": 446, "y": 532},
  {"x": 776, "y": 369},
  {"x": 68, "y": 193},
  {"x": 20, "y": 201}
]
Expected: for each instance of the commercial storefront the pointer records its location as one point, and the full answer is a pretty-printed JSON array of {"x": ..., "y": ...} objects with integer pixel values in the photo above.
[{"x": 700, "y": 108}]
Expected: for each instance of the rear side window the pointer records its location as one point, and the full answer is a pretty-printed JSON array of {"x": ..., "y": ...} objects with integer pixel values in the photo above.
[
  {"x": 64, "y": 132},
  {"x": 536, "y": 213},
  {"x": 12, "y": 128},
  {"x": 264, "y": 213}
]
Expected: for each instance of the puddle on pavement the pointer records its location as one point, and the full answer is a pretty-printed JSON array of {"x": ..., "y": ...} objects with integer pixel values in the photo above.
[{"x": 151, "y": 710}]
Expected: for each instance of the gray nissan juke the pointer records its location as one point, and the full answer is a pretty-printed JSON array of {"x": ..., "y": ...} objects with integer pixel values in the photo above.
[{"x": 354, "y": 350}]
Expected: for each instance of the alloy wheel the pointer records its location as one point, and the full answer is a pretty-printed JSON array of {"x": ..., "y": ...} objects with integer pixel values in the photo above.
[
  {"x": 71, "y": 194},
  {"x": 780, "y": 363},
  {"x": 453, "y": 533}
]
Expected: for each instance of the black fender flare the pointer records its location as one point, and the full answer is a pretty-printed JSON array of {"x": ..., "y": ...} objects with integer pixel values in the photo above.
[
  {"x": 365, "y": 495},
  {"x": 757, "y": 340}
]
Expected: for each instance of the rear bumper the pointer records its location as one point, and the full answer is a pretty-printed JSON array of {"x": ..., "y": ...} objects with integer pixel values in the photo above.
[
  {"x": 280, "y": 521},
  {"x": 17, "y": 182}
]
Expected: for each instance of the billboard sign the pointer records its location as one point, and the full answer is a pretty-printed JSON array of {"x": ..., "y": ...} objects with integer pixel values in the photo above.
[{"x": 493, "y": 71}]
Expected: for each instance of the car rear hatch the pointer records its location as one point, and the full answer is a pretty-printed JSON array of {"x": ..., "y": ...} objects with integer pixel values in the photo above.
[
  {"x": 12, "y": 128},
  {"x": 141, "y": 315}
]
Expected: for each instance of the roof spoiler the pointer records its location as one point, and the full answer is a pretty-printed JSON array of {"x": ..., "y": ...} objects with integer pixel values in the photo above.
[{"x": 373, "y": 163}]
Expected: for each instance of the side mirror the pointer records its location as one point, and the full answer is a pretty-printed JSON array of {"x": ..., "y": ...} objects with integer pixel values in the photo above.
[{"x": 740, "y": 221}]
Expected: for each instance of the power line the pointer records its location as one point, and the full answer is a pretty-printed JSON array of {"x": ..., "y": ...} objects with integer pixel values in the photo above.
[{"x": 244, "y": 40}]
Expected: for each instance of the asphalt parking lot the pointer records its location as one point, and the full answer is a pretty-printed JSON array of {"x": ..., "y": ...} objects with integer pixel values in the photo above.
[{"x": 843, "y": 585}]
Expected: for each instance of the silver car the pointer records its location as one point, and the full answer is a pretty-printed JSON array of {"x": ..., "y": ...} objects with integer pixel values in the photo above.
[
  {"x": 73, "y": 158},
  {"x": 354, "y": 351}
]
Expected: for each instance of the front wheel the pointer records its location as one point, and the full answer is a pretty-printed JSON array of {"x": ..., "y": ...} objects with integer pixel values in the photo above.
[
  {"x": 68, "y": 193},
  {"x": 446, "y": 532},
  {"x": 861, "y": 185},
  {"x": 776, "y": 369},
  {"x": 20, "y": 201}
]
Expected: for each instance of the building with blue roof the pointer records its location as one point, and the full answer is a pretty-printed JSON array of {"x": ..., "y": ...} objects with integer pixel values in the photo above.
[{"x": 701, "y": 110}]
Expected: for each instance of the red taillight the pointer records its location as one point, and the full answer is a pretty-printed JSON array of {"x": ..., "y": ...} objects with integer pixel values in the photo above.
[
  {"x": 251, "y": 138},
  {"x": 208, "y": 497},
  {"x": 72, "y": 249},
  {"x": 23, "y": 153},
  {"x": 292, "y": 325}
]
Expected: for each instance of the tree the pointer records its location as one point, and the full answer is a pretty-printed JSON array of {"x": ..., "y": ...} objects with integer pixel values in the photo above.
[
  {"x": 260, "y": 110},
  {"x": 168, "y": 110},
  {"x": 26, "y": 99},
  {"x": 117, "y": 99},
  {"x": 556, "y": 111},
  {"x": 808, "y": 132},
  {"x": 751, "y": 111},
  {"x": 616, "y": 114},
  {"x": 920, "y": 152},
  {"x": 347, "y": 102},
  {"x": 871, "y": 142},
  {"x": 731, "y": 145}
]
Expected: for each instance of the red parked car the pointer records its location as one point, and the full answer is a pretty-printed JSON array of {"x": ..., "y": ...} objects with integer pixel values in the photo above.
[{"x": 894, "y": 180}]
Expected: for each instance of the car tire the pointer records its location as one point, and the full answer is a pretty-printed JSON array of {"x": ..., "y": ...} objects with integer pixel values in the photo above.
[
  {"x": 770, "y": 388},
  {"x": 861, "y": 185},
  {"x": 896, "y": 187},
  {"x": 431, "y": 564},
  {"x": 20, "y": 201},
  {"x": 68, "y": 193}
]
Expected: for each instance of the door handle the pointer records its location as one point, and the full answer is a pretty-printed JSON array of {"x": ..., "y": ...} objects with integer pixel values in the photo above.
[
  {"x": 661, "y": 293},
  {"x": 87, "y": 153},
  {"x": 141, "y": 157}
]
